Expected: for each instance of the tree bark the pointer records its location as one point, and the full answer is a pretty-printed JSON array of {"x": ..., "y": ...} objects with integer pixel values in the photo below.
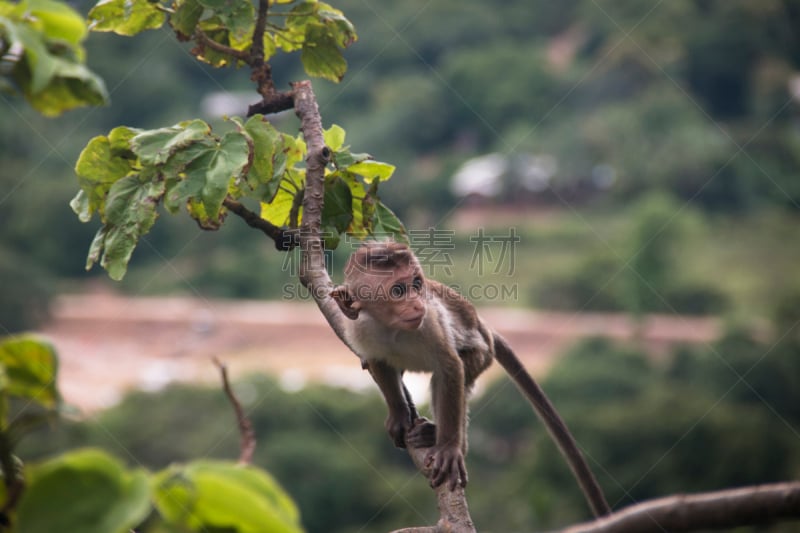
[
  {"x": 454, "y": 513},
  {"x": 762, "y": 504}
]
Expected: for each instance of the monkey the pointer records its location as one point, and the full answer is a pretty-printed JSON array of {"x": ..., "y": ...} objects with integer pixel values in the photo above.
[{"x": 400, "y": 321}]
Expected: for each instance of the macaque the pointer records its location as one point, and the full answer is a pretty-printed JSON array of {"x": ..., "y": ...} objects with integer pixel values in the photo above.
[{"x": 401, "y": 321}]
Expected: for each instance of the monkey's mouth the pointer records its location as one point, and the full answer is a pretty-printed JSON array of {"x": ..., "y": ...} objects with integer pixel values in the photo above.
[{"x": 413, "y": 323}]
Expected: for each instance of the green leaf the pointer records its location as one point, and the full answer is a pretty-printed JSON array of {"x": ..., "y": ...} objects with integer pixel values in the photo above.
[
  {"x": 46, "y": 36},
  {"x": 268, "y": 153},
  {"x": 30, "y": 366},
  {"x": 86, "y": 491},
  {"x": 385, "y": 222},
  {"x": 41, "y": 64},
  {"x": 282, "y": 208},
  {"x": 72, "y": 86},
  {"x": 215, "y": 495},
  {"x": 357, "y": 227},
  {"x": 98, "y": 168},
  {"x": 321, "y": 56},
  {"x": 59, "y": 21},
  {"x": 338, "y": 26},
  {"x": 187, "y": 15},
  {"x": 237, "y": 16},
  {"x": 344, "y": 159},
  {"x": 337, "y": 210},
  {"x": 334, "y": 137},
  {"x": 225, "y": 163},
  {"x": 154, "y": 147},
  {"x": 198, "y": 212},
  {"x": 372, "y": 170},
  {"x": 130, "y": 212},
  {"x": 125, "y": 17}
]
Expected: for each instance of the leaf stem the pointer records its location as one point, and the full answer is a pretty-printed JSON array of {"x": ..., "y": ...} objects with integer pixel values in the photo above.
[{"x": 204, "y": 40}]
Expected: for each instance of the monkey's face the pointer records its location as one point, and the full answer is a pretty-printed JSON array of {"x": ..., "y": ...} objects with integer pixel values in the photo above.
[{"x": 396, "y": 298}]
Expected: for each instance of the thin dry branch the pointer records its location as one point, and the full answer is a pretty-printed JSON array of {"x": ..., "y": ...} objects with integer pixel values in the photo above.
[
  {"x": 248, "y": 437},
  {"x": 763, "y": 504}
]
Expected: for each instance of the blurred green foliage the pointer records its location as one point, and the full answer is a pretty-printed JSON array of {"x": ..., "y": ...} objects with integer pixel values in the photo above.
[{"x": 701, "y": 418}]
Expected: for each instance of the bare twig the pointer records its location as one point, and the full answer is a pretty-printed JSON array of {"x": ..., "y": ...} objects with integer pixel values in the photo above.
[
  {"x": 762, "y": 504},
  {"x": 248, "y": 436}
]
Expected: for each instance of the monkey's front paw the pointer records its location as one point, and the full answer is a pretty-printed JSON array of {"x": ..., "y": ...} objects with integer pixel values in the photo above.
[
  {"x": 422, "y": 434},
  {"x": 397, "y": 429},
  {"x": 447, "y": 465}
]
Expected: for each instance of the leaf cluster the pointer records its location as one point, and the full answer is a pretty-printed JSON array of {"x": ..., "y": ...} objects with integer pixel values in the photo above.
[
  {"x": 42, "y": 56},
  {"x": 125, "y": 175},
  {"x": 225, "y": 31},
  {"x": 90, "y": 491}
]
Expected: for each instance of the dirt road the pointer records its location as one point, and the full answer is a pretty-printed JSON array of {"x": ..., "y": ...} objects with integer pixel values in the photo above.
[{"x": 110, "y": 344}]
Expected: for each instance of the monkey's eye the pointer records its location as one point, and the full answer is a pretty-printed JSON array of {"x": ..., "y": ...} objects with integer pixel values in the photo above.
[
  {"x": 398, "y": 290},
  {"x": 417, "y": 284}
]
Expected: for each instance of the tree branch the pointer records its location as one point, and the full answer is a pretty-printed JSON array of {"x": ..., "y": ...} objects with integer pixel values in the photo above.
[
  {"x": 257, "y": 49},
  {"x": 248, "y": 437},
  {"x": 273, "y": 102},
  {"x": 284, "y": 239},
  {"x": 762, "y": 504},
  {"x": 204, "y": 40},
  {"x": 453, "y": 511}
]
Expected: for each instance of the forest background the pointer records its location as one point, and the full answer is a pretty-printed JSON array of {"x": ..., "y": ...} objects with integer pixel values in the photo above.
[{"x": 650, "y": 154}]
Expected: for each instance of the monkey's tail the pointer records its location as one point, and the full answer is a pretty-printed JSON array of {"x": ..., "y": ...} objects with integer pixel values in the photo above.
[{"x": 555, "y": 426}]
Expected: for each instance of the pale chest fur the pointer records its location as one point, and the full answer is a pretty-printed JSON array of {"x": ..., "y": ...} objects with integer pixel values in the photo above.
[{"x": 412, "y": 350}]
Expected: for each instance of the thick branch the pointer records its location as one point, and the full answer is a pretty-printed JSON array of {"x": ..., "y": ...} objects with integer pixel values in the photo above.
[
  {"x": 257, "y": 50},
  {"x": 273, "y": 102},
  {"x": 453, "y": 511},
  {"x": 712, "y": 510},
  {"x": 284, "y": 239},
  {"x": 454, "y": 516},
  {"x": 248, "y": 437}
]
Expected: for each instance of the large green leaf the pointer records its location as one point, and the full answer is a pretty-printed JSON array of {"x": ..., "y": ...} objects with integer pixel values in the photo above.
[
  {"x": 126, "y": 17},
  {"x": 84, "y": 491},
  {"x": 269, "y": 159},
  {"x": 217, "y": 167},
  {"x": 337, "y": 211},
  {"x": 29, "y": 367},
  {"x": 130, "y": 212},
  {"x": 215, "y": 495},
  {"x": 237, "y": 16},
  {"x": 154, "y": 147},
  {"x": 286, "y": 202},
  {"x": 334, "y": 137},
  {"x": 372, "y": 170},
  {"x": 99, "y": 166},
  {"x": 187, "y": 15},
  {"x": 46, "y": 63},
  {"x": 386, "y": 223},
  {"x": 59, "y": 21},
  {"x": 321, "y": 55},
  {"x": 72, "y": 85}
]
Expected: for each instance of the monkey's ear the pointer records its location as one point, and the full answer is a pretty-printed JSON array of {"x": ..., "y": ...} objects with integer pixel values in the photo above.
[{"x": 349, "y": 307}]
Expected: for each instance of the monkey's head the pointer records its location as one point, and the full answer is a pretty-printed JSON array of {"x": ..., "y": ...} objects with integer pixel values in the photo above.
[{"x": 385, "y": 280}]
